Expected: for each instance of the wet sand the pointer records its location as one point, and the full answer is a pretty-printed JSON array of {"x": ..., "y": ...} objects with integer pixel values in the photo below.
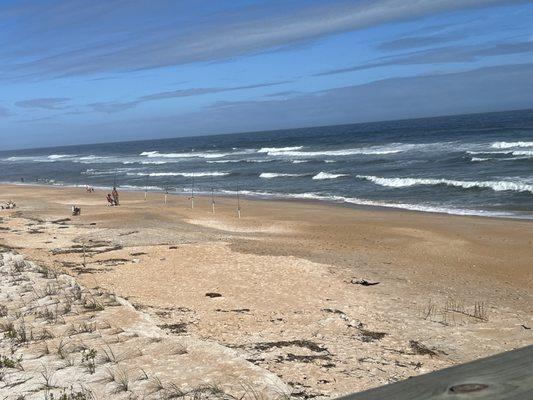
[{"x": 279, "y": 285}]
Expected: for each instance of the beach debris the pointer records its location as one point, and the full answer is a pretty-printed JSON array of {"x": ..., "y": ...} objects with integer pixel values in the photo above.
[
  {"x": 370, "y": 336},
  {"x": 350, "y": 323},
  {"x": 95, "y": 248},
  {"x": 363, "y": 282},
  {"x": 287, "y": 343},
  {"x": 237, "y": 310},
  {"x": 180, "y": 327},
  {"x": 127, "y": 233},
  {"x": 213, "y": 295},
  {"x": 525, "y": 327},
  {"x": 334, "y": 311},
  {"x": 420, "y": 349},
  {"x": 60, "y": 221},
  {"x": 305, "y": 358}
]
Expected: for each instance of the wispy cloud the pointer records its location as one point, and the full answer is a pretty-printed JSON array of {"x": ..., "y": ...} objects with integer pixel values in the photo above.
[
  {"x": 104, "y": 41},
  {"x": 283, "y": 94},
  {"x": 48, "y": 103},
  {"x": 412, "y": 42},
  {"x": 112, "y": 107},
  {"x": 442, "y": 55}
]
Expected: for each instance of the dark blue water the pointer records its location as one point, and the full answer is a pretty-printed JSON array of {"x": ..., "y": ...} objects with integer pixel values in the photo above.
[{"x": 475, "y": 164}]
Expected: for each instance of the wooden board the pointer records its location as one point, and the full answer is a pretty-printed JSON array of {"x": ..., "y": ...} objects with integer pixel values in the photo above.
[{"x": 505, "y": 376}]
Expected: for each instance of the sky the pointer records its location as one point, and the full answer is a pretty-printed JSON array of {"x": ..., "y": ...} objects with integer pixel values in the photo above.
[{"x": 89, "y": 71}]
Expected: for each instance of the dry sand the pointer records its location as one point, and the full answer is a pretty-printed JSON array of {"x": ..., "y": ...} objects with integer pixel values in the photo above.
[{"x": 277, "y": 289}]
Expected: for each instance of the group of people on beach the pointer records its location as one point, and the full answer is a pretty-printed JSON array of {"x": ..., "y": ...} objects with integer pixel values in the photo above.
[
  {"x": 112, "y": 198},
  {"x": 8, "y": 206}
]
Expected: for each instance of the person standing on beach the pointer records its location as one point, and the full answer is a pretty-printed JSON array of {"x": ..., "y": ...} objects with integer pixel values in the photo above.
[{"x": 114, "y": 193}]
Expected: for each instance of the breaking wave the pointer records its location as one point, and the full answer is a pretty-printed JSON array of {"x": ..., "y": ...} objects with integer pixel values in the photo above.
[
  {"x": 59, "y": 156},
  {"x": 327, "y": 175},
  {"x": 510, "y": 145},
  {"x": 184, "y": 174},
  {"x": 377, "y": 150},
  {"x": 497, "y": 186},
  {"x": 271, "y": 175},
  {"x": 279, "y": 149}
]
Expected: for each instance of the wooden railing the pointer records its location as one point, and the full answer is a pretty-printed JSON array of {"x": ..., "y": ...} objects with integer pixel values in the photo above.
[{"x": 505, "y": 376}]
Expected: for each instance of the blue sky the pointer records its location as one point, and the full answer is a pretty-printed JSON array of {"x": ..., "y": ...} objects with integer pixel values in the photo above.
[{"x": 85, "y": 71}]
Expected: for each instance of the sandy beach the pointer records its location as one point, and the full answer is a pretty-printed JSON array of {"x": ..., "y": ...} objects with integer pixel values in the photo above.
[{"x": 305, "y": 299}]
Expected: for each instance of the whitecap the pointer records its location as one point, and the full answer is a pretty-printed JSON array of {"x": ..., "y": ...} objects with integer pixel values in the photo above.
[
  {"x": 279, "y": 149},
  {"x": 510, "y": 145},
  {"x": 327, "y": 175},
  {"x": 270, "y": 175},
  {"x": 184, "y": 174},
  {"x": 497, "y": 186}
]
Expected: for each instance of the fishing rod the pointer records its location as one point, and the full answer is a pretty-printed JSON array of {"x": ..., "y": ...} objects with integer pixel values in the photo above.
[
  {"x": 212, "y": 195},
  {"x": 146, "y": 187},
  {"x": 238, "y": 201},
  {"x": 213, "y": 199},
  {"x": 192, "y": 191}
]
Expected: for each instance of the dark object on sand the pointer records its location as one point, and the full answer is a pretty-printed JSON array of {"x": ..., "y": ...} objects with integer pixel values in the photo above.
[
  {"x": 419, "y": 348},
  {"x": 76, "y": 210},
  {"x": 370, "y": 336},
  {"x": 212, "y": 295},
  {"x": 180, "y": 327},
  {"x": 526, "y": 327},
  {"x": 363, "y": 282}
]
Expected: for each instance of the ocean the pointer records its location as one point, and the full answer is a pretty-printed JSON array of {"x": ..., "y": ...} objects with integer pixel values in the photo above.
[{"x": 478, "y": 164}]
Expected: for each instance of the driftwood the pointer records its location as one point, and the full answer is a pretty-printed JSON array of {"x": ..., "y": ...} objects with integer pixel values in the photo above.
[{"x": 363, "y": 282}]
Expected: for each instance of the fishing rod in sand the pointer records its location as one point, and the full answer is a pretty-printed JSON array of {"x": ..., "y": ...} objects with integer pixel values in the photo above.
[
  {"x": 146, "y": 187},
  {"x": 192, "y": 191},
  {"x": 212, "y": 195},
  {"x": 238, "y": 202}
]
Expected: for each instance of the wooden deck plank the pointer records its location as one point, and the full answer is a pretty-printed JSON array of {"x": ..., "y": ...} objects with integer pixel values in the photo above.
[{"x": 505, "y": 376}]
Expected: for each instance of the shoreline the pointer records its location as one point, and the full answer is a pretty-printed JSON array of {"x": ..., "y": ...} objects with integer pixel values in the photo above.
[
  {"x": 282, "y": 285},
  {"x": 304, "y": 198}
]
